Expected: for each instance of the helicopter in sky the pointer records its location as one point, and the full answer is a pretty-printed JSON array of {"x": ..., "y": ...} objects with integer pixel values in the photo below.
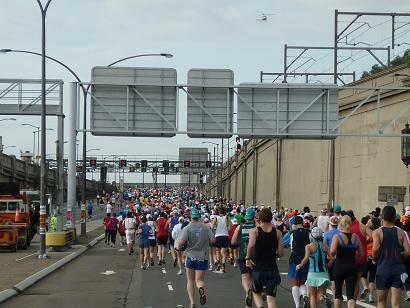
[{"x": 263, "y": 17}]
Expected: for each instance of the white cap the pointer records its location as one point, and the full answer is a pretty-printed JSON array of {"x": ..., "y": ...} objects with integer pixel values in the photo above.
[
  {"x": 407, "y": 213},
  {"x": 408, "y": 208},
  {"x": 317, "y": 232}
]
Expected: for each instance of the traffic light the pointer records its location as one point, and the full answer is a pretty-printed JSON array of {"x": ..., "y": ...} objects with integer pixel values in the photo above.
[
  {"x": 132, "y": 169},
  {"x": 165, "y": 163},
  {"x": 144, "y": 164},
  {"x": 187, "y": 163},
  {"x": 138, "y": 165},
  {"x": 93, "y": 162},
  {"x": 143, "y": 169},
  {"x": 123, "y": 163},
  {"x": 103, "y": 174},
  {"x": 172, "y": 165},
  {"x": 238, "y": 145},
  {"x": 208, "y": 164}
]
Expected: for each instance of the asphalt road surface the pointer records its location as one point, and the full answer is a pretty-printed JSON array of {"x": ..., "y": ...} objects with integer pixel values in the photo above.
[{"x": 109, "y": 277}]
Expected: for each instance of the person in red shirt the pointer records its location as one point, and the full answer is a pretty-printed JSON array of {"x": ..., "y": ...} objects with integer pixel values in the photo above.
[
  {"x": 233, "y": 249},
  {"x": 162, "y": 237},
  {"x": 106, "y": 223}
]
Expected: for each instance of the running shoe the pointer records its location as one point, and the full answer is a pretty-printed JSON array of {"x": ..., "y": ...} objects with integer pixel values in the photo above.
[
  {"x": 327, "y": 301},
  {"x": 235, "y": 265},
  {"x": 363, "y": 294},
  {"x": 160, "y": 262},
  {"x": 179, "y": 272},
  {"x": 202, "y": 297},
  {"x": 211, "y": 267},
  {"x": 248, "y": 298},
  {"x": 305, "y": 303},
  {"x": 163, "y": 261},
  {"x": 407, "y": 297},
  {"x": 371, "y": 298},
  {"x": 152, "y": 262},
  {"x": 223, "y": 268}
]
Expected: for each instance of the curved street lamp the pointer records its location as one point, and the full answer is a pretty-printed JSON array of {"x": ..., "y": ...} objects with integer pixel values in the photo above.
[
  {"x": 8, "y": 119},
  {"x": 85, "y": 92}
]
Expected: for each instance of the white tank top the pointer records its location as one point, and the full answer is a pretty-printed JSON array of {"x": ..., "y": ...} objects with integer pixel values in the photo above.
[{"x": 221, "y": 226}]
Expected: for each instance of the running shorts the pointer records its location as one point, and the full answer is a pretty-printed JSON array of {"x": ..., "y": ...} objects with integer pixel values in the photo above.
[
  {"x": 385, "y": 282},
  {"x": 171, "y": 240},
  {"x": 243, "y": 268},
  {"x": 143, "y": 244},
  {"x": 162, "y": 240},
  {"x": 233, "y": 246},
  {"x": 198, "y": 265},
  {"x": 152, "y": 242},
  {"x": 222, "y": 242},
  {"x": 129, "y": 236},
  {"x": 269, "y": 279},
  {"x": 300, "y": 274}
]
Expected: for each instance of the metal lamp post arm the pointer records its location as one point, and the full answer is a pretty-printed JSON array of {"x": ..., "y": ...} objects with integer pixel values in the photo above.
[{"x": 137, "y": 56}]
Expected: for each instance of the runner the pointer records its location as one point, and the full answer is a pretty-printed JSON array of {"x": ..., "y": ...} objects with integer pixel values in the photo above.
[
  {"x": 152, "y": 238},
  {"x": 299, "y": 239},
  {"x": 106, "y": 223},
  {"x": 233, "y": 248},
  {"x": 318, "y": 277},
  {"x": 129, "y": 224},
  {"x": 197, "y": 237},
  {"x": 327, "y": 240},
  {"x": 345, "y": 246},
  {"x": 90, "y": 210},
  {"x": 241, "y": 238},
  {"x": 113, "y": 227},
  {"x": 143, "y": 231},
  {"x": 221, "y": 224},
  {"x": 171, "y": 223},
  {"x": 265, "y": 243},
  {"x": 390, "y": 244},
  {"x": 176, "y": 235},
  {"x": 162, "y": 237}
]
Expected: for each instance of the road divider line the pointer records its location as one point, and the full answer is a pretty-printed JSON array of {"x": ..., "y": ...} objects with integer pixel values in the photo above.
[
  {"x": 164, "y": 271},
  {"x": 19, "y": 259},
  {"x": 170, "y": 288}
]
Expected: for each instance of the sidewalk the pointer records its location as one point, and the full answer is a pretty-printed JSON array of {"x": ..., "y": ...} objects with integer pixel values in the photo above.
[{"x": 15, "y": 267}]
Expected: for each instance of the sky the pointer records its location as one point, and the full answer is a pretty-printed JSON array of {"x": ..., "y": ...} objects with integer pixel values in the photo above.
[{"x": 200, "y": 34}]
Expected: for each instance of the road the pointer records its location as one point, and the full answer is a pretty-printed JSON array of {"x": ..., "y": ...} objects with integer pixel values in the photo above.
[{"x": 109, "y": 277}]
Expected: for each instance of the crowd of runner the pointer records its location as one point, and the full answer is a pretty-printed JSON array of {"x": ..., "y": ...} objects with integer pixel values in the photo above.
[{"x": 335, "y": 250}]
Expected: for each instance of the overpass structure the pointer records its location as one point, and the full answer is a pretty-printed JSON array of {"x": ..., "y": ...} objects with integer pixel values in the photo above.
[{"x": 27, "y": 174}]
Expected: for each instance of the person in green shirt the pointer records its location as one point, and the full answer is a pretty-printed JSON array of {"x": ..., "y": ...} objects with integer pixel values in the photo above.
[
  {"x": 241, "y": 238},
  {"x": 239, "y": 217}
]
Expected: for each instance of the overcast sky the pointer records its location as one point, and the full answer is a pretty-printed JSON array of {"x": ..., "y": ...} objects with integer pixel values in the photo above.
[{"x": 200, "y": 34}]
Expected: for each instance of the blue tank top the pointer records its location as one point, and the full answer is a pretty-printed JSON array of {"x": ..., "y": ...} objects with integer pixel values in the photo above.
[
  {"x": 390, "y": 261},
  {"x": 145, "y": 228},
  {"x": 174, "y": 222},
  {"x": 317, "y": 260}
]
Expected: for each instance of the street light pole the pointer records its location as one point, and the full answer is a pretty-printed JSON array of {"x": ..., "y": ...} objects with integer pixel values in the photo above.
[{"x": 43, "y": 179}]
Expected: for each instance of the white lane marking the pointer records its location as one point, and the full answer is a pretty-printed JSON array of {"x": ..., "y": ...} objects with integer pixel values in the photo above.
[
  {"x": 359, "y": 303},
  {"x": 108, "y": 272},
  {"x": 283, "y": 273},
  {"x": 170, "y": 288},
  {"x": 164, "y": 271},
  {"x": 19, "y": 259},
  {"x": 121, "y": 249},
  {"x": 179, "y": 306}
]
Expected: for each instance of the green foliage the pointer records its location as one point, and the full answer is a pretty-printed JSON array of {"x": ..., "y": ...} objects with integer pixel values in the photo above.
[{"x": 398, "y": 60}]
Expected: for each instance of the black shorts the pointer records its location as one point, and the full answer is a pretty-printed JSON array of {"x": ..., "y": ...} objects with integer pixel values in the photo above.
[
  {"x": 222, "y": 242},
  {"x": 162, "y": 240},
  {"x": 269, "y": 279},
  {"x": 243, "y": 268},
  {"x": 330, "y": 270},
  {"x": 171, "y": 241},
  {"x": 152, "y": 242},
  {"x": 233, "y": 246},
  {"x": 361, "y": 268}
]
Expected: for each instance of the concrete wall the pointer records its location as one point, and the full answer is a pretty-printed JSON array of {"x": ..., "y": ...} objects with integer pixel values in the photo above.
[{"x": 302, "y": 176}]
